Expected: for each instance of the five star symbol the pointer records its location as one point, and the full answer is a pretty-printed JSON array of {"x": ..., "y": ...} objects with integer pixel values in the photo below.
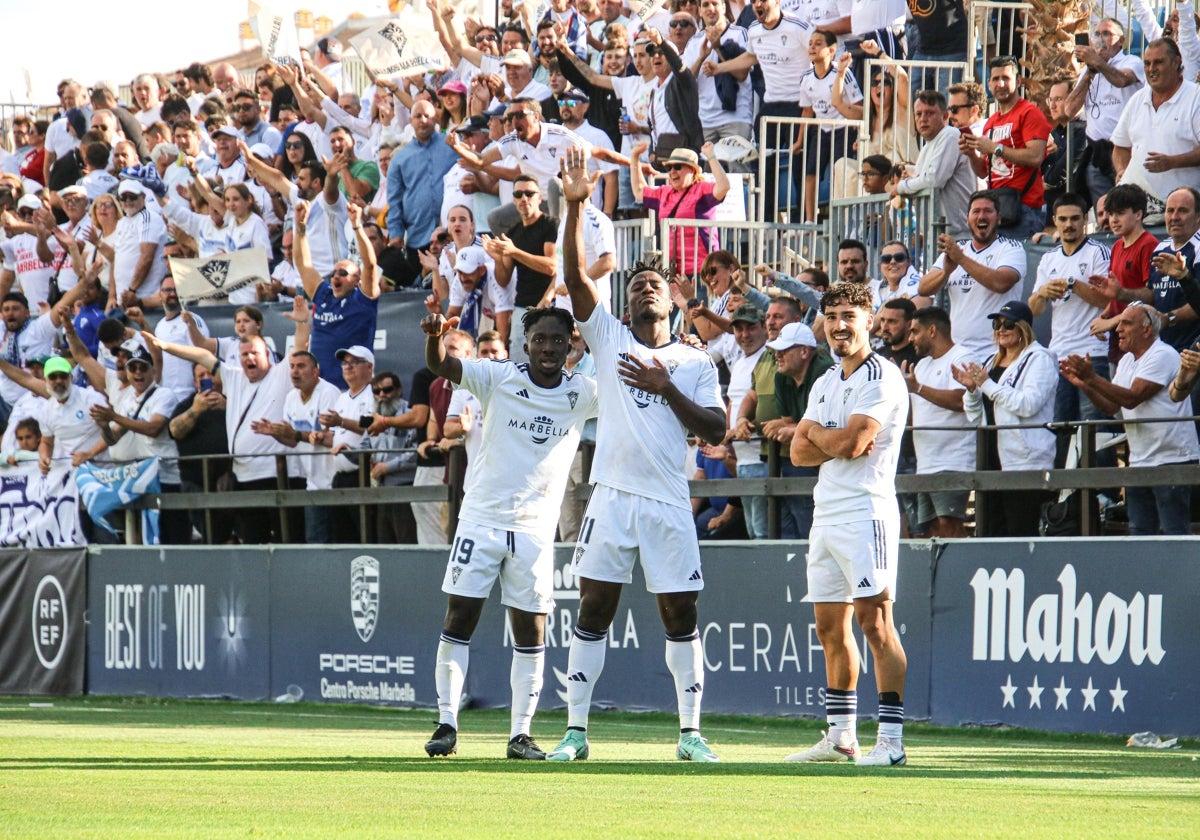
[{"x": 1061, "y": 694}]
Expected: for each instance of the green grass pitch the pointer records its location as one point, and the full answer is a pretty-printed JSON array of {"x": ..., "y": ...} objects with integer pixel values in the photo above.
[{"x": 112, "y": 767}]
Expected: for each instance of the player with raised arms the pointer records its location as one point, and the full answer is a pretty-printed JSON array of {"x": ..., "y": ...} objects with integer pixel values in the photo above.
[
  {"x": 514, "y": 487},
  {"x": 852, "y": 429},
  {"x": 654, "y": 389}
]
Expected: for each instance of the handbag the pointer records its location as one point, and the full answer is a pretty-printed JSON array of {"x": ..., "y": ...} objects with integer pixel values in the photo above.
[
  {"x": 1008, "y": 200},
  {"x": 1062, "y": 518}
]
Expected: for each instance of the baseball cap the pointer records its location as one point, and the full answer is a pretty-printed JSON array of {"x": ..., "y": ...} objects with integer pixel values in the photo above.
[
  {"x": 575, "y": 93},
  {"x": 793, "y": 335},
  {"x": 133, "y": 348},
  {"x": 479, "y": 122},
  {"x": 453, "y": 86},
  {"x": 357, "y": 351},
  {"x": 74, "y": 189},
  {"x": 517, "y": 58},
  {"x": 29, "y": 202},
  {"x": 57, "y": 364},
  {"x": 130, "y": 188},
  {"x": 262, "y": 151},
  {"x": 749, "y": 313},
  {"x": 1014, "y": 310},
  {"x": 470, "y": 259},
  {"x": 228, "y": 131},
  {"x": 498, "y": 111}
]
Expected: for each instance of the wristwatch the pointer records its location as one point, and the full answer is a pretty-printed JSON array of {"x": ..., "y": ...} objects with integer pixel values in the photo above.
[{"x": 1171, "y": 319}]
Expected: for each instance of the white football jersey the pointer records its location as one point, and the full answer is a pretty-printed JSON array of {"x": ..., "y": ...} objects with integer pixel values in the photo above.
[
  {"x": 972, "y": 302},
  {"x": 852, "y": 490},
  {"x": 641, "y": 446},
  {"x": 528, "y": 444},
  {"x": 1071, "y": 316},
  {"x": 782, "y": 53}
]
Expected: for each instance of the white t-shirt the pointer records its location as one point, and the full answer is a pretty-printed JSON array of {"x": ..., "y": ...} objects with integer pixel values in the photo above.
[
  {"x": 313, "y": 462},
  {"x": 177, "y": 372},
  {"x": 131, "y": 233},
  {"x": 1071, "y": 316},
  {"x": 246, "y": 402},
  {"x": 1171, "y": 129},
  {"x": 30, "y": 405},
  {"x": 782, "y": 54},
  {"x": 971, "y": 302},
  {"x": 634, "y": 93},
  {"x": 33, "y": 275},
  {"x": 816, "y": 92},
  {"x": 542, "y": 161},
  {"x": 1104, "y": 102},
  {"x": 351, "y": 407},
  {"x": 325, "y": 230},
  {"x": 741, "y": 382},
  {"x": 712, "y": 114},
  {"x": 908, "y": 287},
  {"x": 59, "y": 139},
  {"x": 599, "y": 239},
  {"x": 869, "y": 15},
  {"x": 70, "y": 423},
  {"x": 854, "y": 490},
  {"x": 942, "y": 451},
  {"x": 660, "y": 119},
  {"x": 133, "y": 446},
  {"x": 641, "y": 446},
  {"x": 34, "y": 339},
  {"x": 252, "y": 233},
  {"x": 1156, "y": 444},
  {"x": 517, "y": 478},
  {"x": 817, "y": 12}
]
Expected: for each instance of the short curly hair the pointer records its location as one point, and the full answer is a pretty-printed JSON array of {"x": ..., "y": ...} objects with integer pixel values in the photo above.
[
  {"x": 652, "y": 263},
  {"x": 853, "y": 294}
]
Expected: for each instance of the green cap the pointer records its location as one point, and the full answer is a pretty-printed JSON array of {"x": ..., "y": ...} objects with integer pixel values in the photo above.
[{"x": 56, "y": 365}]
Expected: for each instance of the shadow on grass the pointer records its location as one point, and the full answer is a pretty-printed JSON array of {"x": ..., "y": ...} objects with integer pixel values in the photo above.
[{"x": 1059, "y": 766}]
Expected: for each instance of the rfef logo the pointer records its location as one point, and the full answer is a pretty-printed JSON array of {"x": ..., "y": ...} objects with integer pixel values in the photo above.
[
  {"x": 364, "y": 595},
  {"x": 49, "y": 622}
]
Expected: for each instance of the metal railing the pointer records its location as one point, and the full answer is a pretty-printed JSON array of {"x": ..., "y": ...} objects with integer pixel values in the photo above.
[
  {"x": 786, "y": 248},
  {"x": 788, "y": 193},
  {"x": 995, "y": 28},
  {"x": 874, "y": 220}
]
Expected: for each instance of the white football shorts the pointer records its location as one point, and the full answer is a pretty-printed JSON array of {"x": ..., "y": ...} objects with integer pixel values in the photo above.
[
  {"x": 852, "y": 560},
  {"x": 524, "y": 563}
]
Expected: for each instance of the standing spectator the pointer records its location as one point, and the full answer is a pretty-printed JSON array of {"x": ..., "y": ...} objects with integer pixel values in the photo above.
[
  {"x": 1064, "y": 152},
  {"x": 1015, "y": 386},
  {"x": 941, "y": 437},
  {"x": 685, "y": 196},
  {"x": 1139, "y": 391},
  {"x": 1063, "y": 284},
  {"x": 987, "y": 265},
  {"x": 138, "y": 265},
  {"x": 476, "y": 298},
  {"x": 135, "y": 427},
  {"x": 967, "y": 105},
  {"x": 1111, "y": 78},
  {"x": 1155, "y": 141},
  {"x": 524, "y": 253},
  {"x": 346, "y": 305},
  {"x": 942, "y": 28},
  {"x": 1125, "y": 206},
  {"x": 177, "y": 326},
  {"x": 751, "y": 335},
  {"x": 1012, "y": 148},
  {"x": 895, "y": 335},
  {"x": 198, "y": 428},
  {"x": 573, "y": 106},
  {"x": 24, "y": 269},
  {"x": 76, "y": 228},
  {"x": 828, "y": 91},
  {"x": 726, "y": 105},
  {"x": 940, "y": 166},
  {"x": 414, "y": 186},
  {"x": 247, "y": 114},
  {"x": 24, "y": 338},
  {"x": 359, "y": 179},
  {"x": 343, "y": 418},
  {"x": 393, "y": 465}
]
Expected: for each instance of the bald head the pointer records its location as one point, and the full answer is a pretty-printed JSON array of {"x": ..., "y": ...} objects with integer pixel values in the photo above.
[{"x": 423, "y": 119}]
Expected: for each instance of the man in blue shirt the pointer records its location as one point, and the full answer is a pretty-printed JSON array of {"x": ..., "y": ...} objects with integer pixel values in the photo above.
[
  {"x": 346, "y": 305},
  {"x": 414, "y": 188}
]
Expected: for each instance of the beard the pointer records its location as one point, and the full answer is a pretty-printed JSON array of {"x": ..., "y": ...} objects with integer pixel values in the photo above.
[{"x": 387, "y": 407}]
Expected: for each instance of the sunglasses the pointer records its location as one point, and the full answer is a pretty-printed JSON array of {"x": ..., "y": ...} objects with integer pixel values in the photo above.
[
  {"x": 682, "y": 24},
  {"x": 525, "y": 193},
  {"x": 515, "y": 115},
  {"x": 125, "y": 199},
  {"x": 1003, "y": 324},
  {"x": 341, "y": 272},
  {"x": 136, "y": 366},
  {"x": 569, "y": 103},
  {"x": 479, "y": 39},
  {"x": 293, "y": 145},
  {"x": 390, "y": 389},
  {"x": 675, "y": 167},
  {"x": 884, "y": 259},
  {"x": 954, "y": 109}
]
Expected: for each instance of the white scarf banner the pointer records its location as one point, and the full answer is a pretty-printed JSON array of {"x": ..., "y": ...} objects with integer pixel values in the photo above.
[
  {"x": 276, "y": 34},
  {"x": 217, "y": 277},
  {"x": 403, "y": 46},
  {"x": 38, "y": 511}
]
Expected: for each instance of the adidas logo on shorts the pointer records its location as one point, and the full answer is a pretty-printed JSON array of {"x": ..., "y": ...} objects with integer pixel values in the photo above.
[
  {"x": 864, "y": 584},
  {"x": 695, "y": 575}
]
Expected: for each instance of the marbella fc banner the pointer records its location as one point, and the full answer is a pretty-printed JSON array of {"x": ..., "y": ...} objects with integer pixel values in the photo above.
[
  {"x": 402, "y": 46},
  {"x": 219, "y": 276},
  {"x": 276, "y": 34},
  {"x": 38, "y": 511},
  {"x": 103, "y": 489}
]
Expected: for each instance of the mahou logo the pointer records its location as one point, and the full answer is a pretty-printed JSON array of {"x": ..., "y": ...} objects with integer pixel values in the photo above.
[{"x": 1063, "y": 626}]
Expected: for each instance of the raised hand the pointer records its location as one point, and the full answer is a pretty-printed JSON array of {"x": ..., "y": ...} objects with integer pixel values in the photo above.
[{"x": 577, "y": 184}]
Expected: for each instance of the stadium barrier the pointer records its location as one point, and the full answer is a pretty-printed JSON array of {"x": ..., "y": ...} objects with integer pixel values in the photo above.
[
  {"x": 874, "y": 220},
  {"x": 1055, "y": 635}
]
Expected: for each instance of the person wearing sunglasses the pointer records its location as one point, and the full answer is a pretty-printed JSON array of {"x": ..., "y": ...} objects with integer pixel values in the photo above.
[
  {"x": 1014, "y": 386},
  {"x": 900, "y": 277},
  {"x": 978, "y": 274},
  {"x": 573, "y": 108},
  {"x": 966, "y": 106},
  {"x": 391, "y": 466}
]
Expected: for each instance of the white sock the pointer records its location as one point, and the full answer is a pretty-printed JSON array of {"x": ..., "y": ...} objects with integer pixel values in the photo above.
[
  {"x": 450, "y": 676},
  {"x": 685, "y": 659},
  {"x": 525, "y": 678},
  {"x": 584, "y": 664},
  {"x": 841, "y": 713}
]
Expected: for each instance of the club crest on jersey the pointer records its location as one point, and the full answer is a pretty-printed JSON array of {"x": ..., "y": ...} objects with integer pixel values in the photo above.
[
  {"x": 849, "y": 392},
  {"x": 672, "y": 366},
  {"x": 364, "y": 595},
  {"x": 455, "y": 571},
  {"x": 573, "y": 397}
]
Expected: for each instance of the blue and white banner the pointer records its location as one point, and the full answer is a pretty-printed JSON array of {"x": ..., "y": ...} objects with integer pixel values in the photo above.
[
  {"x": 38, "y": 511},
  {"x": 104, "y": 489}
]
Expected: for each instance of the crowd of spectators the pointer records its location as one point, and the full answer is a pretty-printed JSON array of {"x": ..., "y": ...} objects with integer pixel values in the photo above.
[{"x": 446, "y": 182}]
